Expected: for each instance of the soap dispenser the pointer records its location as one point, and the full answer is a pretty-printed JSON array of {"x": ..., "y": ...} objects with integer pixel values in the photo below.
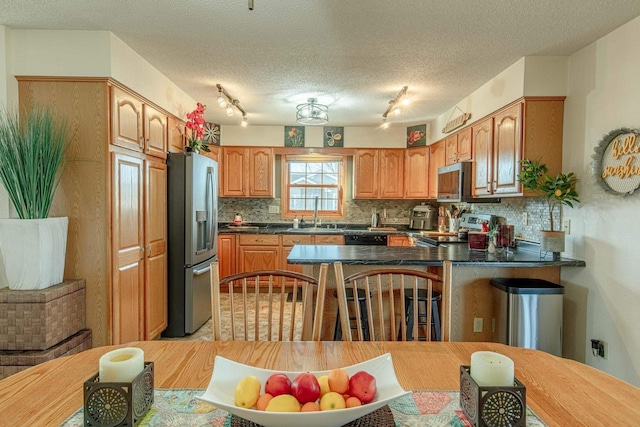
[{"x": 295, "y": 222}]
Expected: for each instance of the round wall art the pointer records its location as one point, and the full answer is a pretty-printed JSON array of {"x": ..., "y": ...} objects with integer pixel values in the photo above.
[{"x": 616, "y": 161}]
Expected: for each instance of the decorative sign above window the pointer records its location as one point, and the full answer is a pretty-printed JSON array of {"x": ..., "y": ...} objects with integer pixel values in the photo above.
[
  {"x": 616, "y": 162},
  {"x": 456, "y": 123}
]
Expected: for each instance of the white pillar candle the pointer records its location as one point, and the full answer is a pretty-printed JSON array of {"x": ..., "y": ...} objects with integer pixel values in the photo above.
[
  {"x": 121, "y": 365},
  {"x": 491, "y": 369}
]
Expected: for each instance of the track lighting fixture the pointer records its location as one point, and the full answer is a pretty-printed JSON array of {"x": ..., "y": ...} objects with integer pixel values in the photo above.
[
  {"x": 230, "y": 103},
  {"x": 395, "y": 106}
]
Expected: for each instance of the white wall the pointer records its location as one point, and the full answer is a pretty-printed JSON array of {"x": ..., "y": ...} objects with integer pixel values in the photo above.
[
  {"x": 393, "y": 137},
  {"x": 545, "y": 75},
  {"x": 604, "y": 94}
]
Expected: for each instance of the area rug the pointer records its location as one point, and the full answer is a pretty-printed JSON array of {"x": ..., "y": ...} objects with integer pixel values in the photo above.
[{"x": 180, "y": 408}]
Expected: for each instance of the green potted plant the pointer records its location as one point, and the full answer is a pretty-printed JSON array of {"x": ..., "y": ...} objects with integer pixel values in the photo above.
[
  {"x": 559, "y": 190},
  {"x": 33, "y": 247}
]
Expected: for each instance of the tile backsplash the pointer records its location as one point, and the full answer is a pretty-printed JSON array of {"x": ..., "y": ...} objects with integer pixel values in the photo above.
[{"x": 399, "y": 211}]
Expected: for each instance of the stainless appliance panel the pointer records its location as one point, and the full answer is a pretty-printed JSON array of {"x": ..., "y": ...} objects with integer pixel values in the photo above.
[
  {"x": 533, "y": 321},
  {"x": 455, "y": 185},
  {"x": 201, "y": 208},
  {"x": 197, "y": 308}
]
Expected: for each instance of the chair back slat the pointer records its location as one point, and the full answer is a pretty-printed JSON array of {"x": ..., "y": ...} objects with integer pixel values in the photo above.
[
  {"x": 385, "y": 291},
  {"x": 243, "y": 300}
]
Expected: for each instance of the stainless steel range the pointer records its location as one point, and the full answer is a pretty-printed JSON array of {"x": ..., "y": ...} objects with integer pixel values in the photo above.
[{"x": 470, "y": 221}]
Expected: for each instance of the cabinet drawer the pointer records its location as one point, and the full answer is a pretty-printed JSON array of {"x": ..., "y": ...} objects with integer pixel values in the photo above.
[
  {"x": 296, "y": 240},
  {"x": 259, "y": 240},
  {"x": 329, "y": 240}
]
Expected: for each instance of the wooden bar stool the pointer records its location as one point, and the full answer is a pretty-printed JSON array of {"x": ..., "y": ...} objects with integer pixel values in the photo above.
[
  {"x": 422, "y": 299},
  {"x": 362, "y": 301}
]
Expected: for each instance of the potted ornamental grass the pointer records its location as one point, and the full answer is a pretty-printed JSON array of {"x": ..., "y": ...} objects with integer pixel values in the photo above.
[
  {"x": 33, "y": 247},
  {"x": 559, "y": 190}
]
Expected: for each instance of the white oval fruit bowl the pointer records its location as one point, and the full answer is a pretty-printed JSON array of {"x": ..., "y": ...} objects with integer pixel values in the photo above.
[{"x": 227, "y": 374}]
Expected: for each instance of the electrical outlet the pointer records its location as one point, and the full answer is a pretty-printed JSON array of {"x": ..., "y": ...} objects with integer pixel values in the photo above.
[
  {"x": 566, "y": 226},
  {"x": 274, "y": 209},
  {"x": 477, "y": 324},
  {"x": 525, "y": 218},
  {"x": 600, "y": 348}
]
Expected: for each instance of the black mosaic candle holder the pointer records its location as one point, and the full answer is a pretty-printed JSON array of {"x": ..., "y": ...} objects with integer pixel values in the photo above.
[
  {"x": 492, "y": 406},
  {"x": 112, "y": 404}
]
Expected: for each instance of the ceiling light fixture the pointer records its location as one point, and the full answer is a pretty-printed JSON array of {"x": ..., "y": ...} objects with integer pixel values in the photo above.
[
  {"x": 312, "y": 113},
  {"x": 395, "y": 106},
  {"x": 228, "y": 102}
]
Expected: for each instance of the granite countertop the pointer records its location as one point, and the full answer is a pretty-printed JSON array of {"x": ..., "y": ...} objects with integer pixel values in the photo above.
[
  {"x": 287, "y": 228},
  {"x": 458, "y": 254}
]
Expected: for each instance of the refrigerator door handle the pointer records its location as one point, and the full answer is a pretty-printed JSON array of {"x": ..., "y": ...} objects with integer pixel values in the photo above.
[
  {"x": 210, "y": 212},
  {"x": 202, "y": 271}
]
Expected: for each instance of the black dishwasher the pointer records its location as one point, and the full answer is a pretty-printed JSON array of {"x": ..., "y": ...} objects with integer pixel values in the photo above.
[{"x": 365, "y": 239}]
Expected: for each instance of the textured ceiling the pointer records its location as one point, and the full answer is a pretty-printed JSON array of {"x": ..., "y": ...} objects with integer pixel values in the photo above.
[{"x": 354, "y": 55}]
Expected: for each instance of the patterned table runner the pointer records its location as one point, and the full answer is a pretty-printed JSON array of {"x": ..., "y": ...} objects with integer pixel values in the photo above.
[{"x": 180, "y": 408}]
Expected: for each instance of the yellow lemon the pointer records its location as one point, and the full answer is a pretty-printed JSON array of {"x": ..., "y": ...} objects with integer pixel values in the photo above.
[
  {"x": 283, "y": 403},
  {"x": 332, "y": 400},
  {"x": 324, "y": 384},
  {"x": 558, "y": 192},
  {"x": 247, "y": 392}
]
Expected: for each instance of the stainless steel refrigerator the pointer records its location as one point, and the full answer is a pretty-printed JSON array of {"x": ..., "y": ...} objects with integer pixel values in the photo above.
[{"x": 192, "y": 239}]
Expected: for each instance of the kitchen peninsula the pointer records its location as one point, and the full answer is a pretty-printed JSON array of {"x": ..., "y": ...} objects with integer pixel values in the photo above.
[{"x": 466, "y": 293}]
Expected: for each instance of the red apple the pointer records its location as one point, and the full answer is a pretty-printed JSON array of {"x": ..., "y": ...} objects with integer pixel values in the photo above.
[
  {"x": 277, "y": 384},
  {"x": 305, "y": 387},
  {"x": 363, "y": 386}
]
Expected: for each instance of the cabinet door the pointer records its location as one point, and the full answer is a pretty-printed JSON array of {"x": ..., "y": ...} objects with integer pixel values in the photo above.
[
  {"x": 507, "y": 150},
  {"x": 234, "y": 172},
  {"x": 127, "y": 120},
  {"x": 436, "y": 160},
  {"x": 227, "y": 254},
  {"x": 261, "y": 168},
  {"x": 391, "y": 174},
  {"x": 328, "y": 240},
  {"x": 482, "y": 134},
  {"x": 365, "y": 174},
  {"x": 127, "y": 204},
  {"x": 451, "y": 149},
  {"x": 254, "y": 258},
  {"x": 464, "y": 145},
  {"x": 288, "y": 241},
  {"x": 416, "y": 173},
  {"x": 398, "y": 241},
  {"x": 155, "y": 132},
  {"x": 175, "y": 133},
  {"x": 155, "y": 289}
]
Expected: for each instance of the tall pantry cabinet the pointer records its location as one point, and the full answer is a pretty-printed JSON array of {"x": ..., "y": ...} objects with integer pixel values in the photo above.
[{"x": 113, "y": 190}]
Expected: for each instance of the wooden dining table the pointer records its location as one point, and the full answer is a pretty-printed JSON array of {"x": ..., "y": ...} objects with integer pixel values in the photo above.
[{"x": 561, "y": 392}]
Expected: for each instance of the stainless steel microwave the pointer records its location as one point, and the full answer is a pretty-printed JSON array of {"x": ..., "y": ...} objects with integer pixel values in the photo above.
[{"x": 455, "y": 182}]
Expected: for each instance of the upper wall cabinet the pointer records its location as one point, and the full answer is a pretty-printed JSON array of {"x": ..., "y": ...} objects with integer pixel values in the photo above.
[
  {"x": 458, "y": 147},
  {"x": 416, "y": 173},
  {"x": 529, "y": 129},
  {"x": 175, "y": 130},
  {"x": 136, "y": 125},
  {"x": 436, "y": 160},
  {"x": 247, "y": 172},
  {"x": 378, "y": 174}
]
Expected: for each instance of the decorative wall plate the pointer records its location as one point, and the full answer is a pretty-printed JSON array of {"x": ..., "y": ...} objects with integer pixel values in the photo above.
[
  {"x": 616, "y": 162},
  {"x": 211, "y": 134}
]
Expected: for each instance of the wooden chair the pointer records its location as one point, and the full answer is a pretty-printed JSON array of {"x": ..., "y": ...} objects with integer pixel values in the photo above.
[
  {"x": 262, "y": 305},
  {"x": 385, "y": 308}
]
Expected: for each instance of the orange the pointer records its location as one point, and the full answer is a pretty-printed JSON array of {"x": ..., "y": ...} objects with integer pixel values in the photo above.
[
  {"x": 339, "y": 381},
  {"x": 353, "y": 402},
  {"x": 263, "y": 401},
  {"x": 310, "y": 407}
]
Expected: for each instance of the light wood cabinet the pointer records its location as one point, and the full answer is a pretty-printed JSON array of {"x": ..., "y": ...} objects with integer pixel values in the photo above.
[
  {"x": 333, "y": 239},
  {"x": 436, "y": 160},
  {"x": 287, "y": 244},
  {"x": 416, "y": 173},
  {"x": 258, "y": 252},
  {"x": 176, "y": 138},
  {"x": 227, "y": 254},
  {"x": 247, "y": 172},
  {"x": 114, "y": 195},
  {"x": 137, "y": 126},
  {"x": 395, "y": 240},
  {"x": 532, "y": 129},
  {"x": 458, "y": 147},
  {"x": 378, "y": 174},
  {"x": 155, "y": 234}
]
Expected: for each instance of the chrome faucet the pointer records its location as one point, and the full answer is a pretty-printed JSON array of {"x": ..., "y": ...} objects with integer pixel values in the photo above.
[{"x": 315, "y": 214}]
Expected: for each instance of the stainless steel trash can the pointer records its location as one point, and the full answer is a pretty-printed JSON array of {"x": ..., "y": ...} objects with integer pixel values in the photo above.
[{"x": 527, "y": 313}]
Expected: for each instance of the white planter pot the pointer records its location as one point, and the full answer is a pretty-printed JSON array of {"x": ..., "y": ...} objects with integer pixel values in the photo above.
[
  {"x": 32, "y": 252},
  {"x": 552, "y": 241}
]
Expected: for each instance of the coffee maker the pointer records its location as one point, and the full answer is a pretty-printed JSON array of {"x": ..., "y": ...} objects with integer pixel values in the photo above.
[{"x": 424, "y": 217}]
